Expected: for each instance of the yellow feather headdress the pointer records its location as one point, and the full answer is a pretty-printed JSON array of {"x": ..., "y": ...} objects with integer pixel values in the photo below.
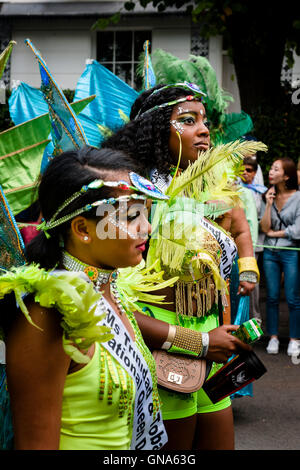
[{"x": 179, "y": 241}]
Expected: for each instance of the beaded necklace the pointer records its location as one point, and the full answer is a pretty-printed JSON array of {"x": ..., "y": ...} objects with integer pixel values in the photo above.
[
  {"x": 97, "y": 276},
  {"x": 118, "y": 378}
]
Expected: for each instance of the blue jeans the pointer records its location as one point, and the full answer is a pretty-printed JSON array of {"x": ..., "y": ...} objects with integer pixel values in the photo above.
[{"x": 275, "y": 262}]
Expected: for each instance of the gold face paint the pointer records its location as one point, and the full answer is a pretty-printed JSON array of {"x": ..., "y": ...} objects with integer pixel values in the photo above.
[{"x": 185, "y": 117}]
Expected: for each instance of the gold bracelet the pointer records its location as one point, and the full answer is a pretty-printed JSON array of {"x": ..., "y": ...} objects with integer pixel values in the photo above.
[
  {"x": 248, "y": 264},
  {"x": 188, "y": 341}
]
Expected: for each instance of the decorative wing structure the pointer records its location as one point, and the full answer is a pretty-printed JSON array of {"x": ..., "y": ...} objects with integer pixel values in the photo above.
[
  {"x": 11, "y": 243},
  {"x": 22, "y": 153},
  {"x": 66, "y": 130},
  {"x": 112, "y": 104},
  {"x": 25, "y": 103},
  {"x": 148, "y": 72},
  {"x": 4, "y": 56}
]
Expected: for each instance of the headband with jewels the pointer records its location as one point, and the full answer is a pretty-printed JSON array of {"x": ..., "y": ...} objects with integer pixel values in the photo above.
[
  {"x": 143, "y": 189},
  {"x": 139, "y": 184},
  {"x": 198, "y": 94}
]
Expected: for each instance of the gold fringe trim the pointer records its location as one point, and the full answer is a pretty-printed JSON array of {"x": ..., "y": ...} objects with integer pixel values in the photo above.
[
  {"x": 200, "y": 291},
  {"x": 113, "y": 377}
]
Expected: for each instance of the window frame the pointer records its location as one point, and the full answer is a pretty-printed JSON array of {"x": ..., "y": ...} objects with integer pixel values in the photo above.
[{"x": 115, "y": 62}]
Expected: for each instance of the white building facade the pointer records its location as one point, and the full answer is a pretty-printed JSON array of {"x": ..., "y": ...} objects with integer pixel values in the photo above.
[{"x": 62, "y": 31}]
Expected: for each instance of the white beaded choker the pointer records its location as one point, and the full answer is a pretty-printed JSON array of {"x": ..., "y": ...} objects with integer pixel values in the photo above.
[{"x": 96, "y": 275}]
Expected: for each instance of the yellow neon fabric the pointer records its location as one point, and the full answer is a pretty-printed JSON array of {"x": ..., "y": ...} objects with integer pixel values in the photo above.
[
  {"x": 179, "y": 405},
  {"x": 87, "y": 422}
]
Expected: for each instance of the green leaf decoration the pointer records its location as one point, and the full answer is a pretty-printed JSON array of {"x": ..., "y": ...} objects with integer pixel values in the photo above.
[
  {"x": 5, "y": 55},
  {"x": 21, "y": 153}
]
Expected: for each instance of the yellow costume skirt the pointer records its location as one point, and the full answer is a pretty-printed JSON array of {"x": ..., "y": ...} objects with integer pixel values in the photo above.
[{"x": 181, "y": 405}]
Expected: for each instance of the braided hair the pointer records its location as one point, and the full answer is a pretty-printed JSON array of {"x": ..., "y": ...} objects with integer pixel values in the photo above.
[{"x": 146, "y": 137}]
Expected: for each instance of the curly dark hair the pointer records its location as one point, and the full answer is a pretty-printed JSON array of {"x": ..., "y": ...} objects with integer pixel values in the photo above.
[{"x": 146, "y": 137}]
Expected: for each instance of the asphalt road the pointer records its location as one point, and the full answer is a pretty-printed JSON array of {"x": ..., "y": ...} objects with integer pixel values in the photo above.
[{"x": 270, "y": 420}]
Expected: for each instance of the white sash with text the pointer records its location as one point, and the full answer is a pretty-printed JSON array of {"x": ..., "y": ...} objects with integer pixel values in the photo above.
[
  {"x": 228, "y": 247},
  {"x": 148, "y": 433}
]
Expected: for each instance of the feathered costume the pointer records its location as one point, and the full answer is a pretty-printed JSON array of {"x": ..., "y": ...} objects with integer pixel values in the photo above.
[
  {"x": 182, "y": 240},
  {"x": 67, "y": 133},
  {"x": 217, "y": 183},
  {"x": 72, "y": 296}
]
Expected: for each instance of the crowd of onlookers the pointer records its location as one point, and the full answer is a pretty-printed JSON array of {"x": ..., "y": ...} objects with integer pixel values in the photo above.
[{"x": 276, "y": 239}]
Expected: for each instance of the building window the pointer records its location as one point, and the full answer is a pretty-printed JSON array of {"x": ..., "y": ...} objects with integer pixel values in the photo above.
[
  {"x": 120, "y": 51},
  {"x": 286, "y": 73},
  {"x": 199, "y": 45}
]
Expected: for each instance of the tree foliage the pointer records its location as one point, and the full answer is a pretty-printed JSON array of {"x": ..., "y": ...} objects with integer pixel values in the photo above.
[
  {"x": 214, "y": 16},
  {"x": 257, "y": 35}
]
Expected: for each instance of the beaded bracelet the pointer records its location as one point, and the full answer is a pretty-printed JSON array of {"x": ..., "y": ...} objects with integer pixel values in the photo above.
[
  {"x": 248, "y": 276},
  {"x": 248, "y": 264},
  {"x": 187, "y": 341}
]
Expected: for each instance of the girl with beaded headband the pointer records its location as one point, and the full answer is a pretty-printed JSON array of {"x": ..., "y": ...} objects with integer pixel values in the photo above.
[
  {"x": 75, "y": 325},
  {"x": 78, "y": 317},
  {"x": 158, "y": 117}
]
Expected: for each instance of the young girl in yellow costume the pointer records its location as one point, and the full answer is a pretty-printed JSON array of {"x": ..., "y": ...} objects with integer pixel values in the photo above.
[{"x": 167, "y": 122}]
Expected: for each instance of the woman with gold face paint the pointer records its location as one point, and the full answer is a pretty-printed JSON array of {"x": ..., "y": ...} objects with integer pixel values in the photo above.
[{"x": 151, "y": 137}]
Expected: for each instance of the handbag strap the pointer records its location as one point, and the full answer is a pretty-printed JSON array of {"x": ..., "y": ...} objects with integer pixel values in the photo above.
[{"x": 279, "y": 216}]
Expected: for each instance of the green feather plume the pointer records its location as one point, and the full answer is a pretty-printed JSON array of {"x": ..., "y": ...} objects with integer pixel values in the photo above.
[
  {"x": 197, "y": 69},
  {"x": 135, "y": 284},
  {"x": 4, "y": 56},
  {"x": 67, "y": 292},
  {"x": 180, "y": 243},
  {"x": 201, "y": 176}
]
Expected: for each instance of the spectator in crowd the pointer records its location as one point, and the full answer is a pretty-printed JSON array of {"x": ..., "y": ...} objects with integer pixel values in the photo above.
[
  {"x": 281, "y": 224},
  {"x": 248, "y": 180}
]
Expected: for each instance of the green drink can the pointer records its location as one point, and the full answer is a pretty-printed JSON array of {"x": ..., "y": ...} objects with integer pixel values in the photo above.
[{"x": 249, "y": 331}]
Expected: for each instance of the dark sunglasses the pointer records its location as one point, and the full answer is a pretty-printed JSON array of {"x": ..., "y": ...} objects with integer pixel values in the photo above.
[{"x": 249, "y": 170}]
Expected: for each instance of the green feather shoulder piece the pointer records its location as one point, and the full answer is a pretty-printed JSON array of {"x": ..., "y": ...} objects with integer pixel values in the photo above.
[
  {"x": 135, "y": 284},
  {"x": 214, "y": 171},
  {"x": 70, "y": 294},
  {"x": 76, "y": 299}
]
